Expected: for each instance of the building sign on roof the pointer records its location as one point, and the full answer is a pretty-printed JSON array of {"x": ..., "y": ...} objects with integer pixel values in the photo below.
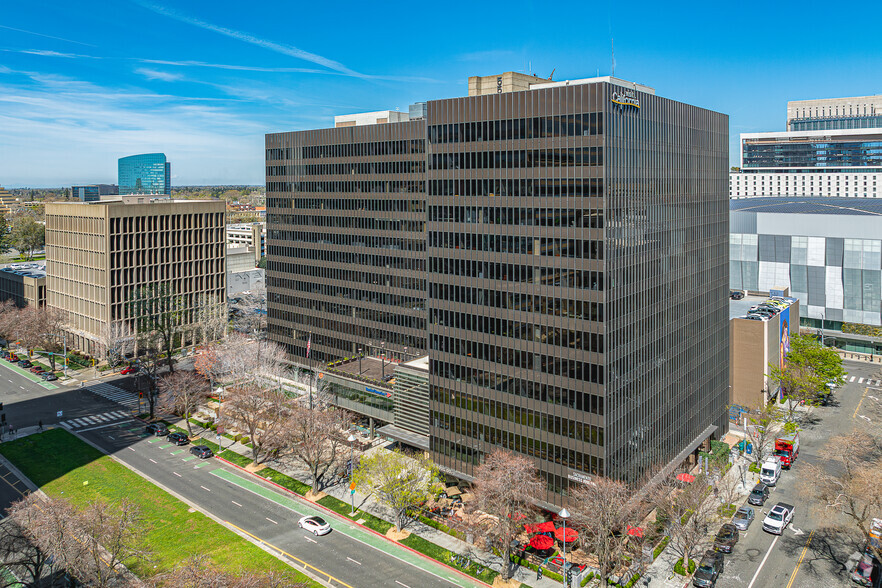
[{"x": 626, "y": 97}]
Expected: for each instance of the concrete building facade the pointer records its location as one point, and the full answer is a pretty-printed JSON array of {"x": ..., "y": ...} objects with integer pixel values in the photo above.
[
  {"x": 24, "y": 284},
  {"x": 98, "y": 255}
]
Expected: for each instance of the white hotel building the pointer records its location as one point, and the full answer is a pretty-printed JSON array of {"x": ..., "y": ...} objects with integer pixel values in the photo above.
[{"x": 832, "y": 148}]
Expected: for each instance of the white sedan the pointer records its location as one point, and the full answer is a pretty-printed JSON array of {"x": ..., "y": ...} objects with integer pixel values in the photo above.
[{"x": 316, "y": 525}]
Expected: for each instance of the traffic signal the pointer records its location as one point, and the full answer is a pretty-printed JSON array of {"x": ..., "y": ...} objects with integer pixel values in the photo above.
[
  {"x": 140, "y": 395},
  {"x": 569, "y": 576},
  {"x": 539, "y": 573}
]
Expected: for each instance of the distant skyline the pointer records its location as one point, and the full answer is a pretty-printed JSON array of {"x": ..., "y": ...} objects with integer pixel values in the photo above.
[{"x": 83, "y": 84}]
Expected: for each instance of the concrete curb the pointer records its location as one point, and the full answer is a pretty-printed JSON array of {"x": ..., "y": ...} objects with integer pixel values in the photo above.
[{"x": 338, "y": 516}]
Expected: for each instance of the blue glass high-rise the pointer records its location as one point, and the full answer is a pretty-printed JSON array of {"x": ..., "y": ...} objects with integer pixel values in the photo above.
[{"x": 147, "y": 173}]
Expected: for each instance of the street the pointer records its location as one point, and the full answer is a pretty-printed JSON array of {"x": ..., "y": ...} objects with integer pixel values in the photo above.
[{"x": 810, "y": 554}]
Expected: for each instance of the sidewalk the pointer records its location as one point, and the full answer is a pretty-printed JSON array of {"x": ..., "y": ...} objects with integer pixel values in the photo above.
[
  {"x": 660, "y": 572},
  {"x": 370, "y": 506}
]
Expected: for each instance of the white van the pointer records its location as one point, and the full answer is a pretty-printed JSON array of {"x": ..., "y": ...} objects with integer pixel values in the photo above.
[{"x": 771, "y": 471}]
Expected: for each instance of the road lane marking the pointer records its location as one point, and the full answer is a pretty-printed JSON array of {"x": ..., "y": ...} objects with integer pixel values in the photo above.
[
  {"x": 295, "y": 558},
  {"x": 177, "y": 474},
  {"x": 353, "y": 561},
  {"x": 310, "y": 539},
  {"x": 98, "y": 427},
  {"x": 270, "y": 520},
  {"x": 204, "y": 488},
  {"x": 866, "y": 418},
  {"x": 402, "y": 583},
  {"x": 852, "y": 379},
  {"x": 799, "y": 563},
  {"x": 236, "y": 503},
  {"x": 861, "y": 381},
  {"x": 762, "y": 563},
  {"x": 858, "y": 407},
  {"x": 153, "y": 460},
  {"x": 132, "y": 448}
]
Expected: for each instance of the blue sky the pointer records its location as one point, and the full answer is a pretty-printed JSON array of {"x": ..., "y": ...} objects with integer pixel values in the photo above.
[{"x": 84, "y": 83}]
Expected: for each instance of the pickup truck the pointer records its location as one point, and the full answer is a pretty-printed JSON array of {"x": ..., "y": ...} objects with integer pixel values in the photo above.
[{"x": 778, "y": 518}]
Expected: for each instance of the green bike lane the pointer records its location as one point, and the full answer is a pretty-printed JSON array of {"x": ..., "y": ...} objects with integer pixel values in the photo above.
[
  {"x": 25, "y": 373},
  {"x": 354, "y": 531}
]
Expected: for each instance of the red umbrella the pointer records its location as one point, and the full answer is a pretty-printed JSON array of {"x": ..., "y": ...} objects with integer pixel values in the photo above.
[
  {"x": 541, "y": 542},
  {"x": 635, "y": 531},
  {"x": 686, "y": 477},
  {"x": 546, "y": 527},
  {"x": 571, "y": 534}
]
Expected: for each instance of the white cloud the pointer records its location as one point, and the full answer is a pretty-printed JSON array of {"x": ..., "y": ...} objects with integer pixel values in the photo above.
[
  {"x": 152, "y": 74},
  {"x": 288, "y": 50}
]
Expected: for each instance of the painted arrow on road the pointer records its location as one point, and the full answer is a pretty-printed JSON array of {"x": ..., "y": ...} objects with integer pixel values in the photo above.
[
  {"x": 797, "y": 531},
  {"x": 865, "y": 418},
  {"x": 873, "y": 397}
]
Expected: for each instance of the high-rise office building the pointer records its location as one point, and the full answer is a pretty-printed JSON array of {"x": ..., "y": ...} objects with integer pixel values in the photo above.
[
  {"x": 576, "y": 267},
  {"x": 148, "y": 173},
  {"x": 98, "y": 254},
  {"x": 831, "y": 148}
]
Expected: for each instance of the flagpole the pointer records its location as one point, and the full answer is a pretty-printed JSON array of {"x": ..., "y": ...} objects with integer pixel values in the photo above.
[{"x": 311, "y": 374}]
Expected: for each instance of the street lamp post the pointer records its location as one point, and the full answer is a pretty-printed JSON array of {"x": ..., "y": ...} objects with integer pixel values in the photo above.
[
  {"x": 351, "y": 468},
  {"x": 383, "y": 360},
  {"x": 359, "y": 360},
  {"x": 564, "y": 514},
  {"x": 822, "y": 329}
]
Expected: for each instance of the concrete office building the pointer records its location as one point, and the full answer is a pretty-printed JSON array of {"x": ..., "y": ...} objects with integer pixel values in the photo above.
[
  {"x": 831, "y": 148},
  {"x": 828, "y": 252},
  {"x": 148, "y": 173},
  {"x": 99, "y": 254},
  {"x": 248, "y": 234},
  {"x": 560, "y": 222},
  {"x": 24, "y": 284}
]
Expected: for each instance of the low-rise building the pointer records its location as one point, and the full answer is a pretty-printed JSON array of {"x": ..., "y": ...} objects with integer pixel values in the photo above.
[{"x": 24, "y": 284}]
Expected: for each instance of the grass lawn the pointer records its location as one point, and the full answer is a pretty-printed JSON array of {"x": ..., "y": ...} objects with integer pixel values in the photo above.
[
  {"x": 443, "y": 555},
  {"x": 62, "y": 465}
]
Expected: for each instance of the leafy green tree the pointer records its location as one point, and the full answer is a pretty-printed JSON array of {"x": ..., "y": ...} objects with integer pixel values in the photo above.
[
  {"x": 808, "y": 367},
  {"x": 27, "y": 234},
  {"x": 397, "y": 480}
]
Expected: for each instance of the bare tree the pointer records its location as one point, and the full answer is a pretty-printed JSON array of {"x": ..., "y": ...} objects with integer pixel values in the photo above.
[
  {"x": 262, "y": 411},
  {"x": 506, "y": 486},
  {"x": 211, "y": 318},
  {"x": 41, "y": 327},
  {"x": 20, "y": 553},
  {"x": 315, "y": 438},
  {"x": 397, "y": 480},
  {"x": 157, "y": 311},
  {"x": 150, "y": 362},
  {"x": 248, "y": 361},
  {"x": 199, "y": 572},
  {"x": 112, "y": 534},
  {"x": 848, "y": 481},
  {"x": 9, "y": 313},
  {"x": 602, "y": 509},
  {"x": 762, "y": 425},
  {"x": 118, "y": 340},
  {"x": 688, "y": 514},
  {"x": 182, "y": 392}
]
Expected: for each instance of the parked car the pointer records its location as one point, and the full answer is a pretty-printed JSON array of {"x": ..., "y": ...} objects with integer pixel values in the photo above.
[
  {"x": 178, "y": 438},
  {"x": 709, "y": 569},
  {"x": 736, "y": 295},
  {"x": 24, "y": 363},
  {"x": 770, "y": 471},
  {"x": 158, "y": 429},
  {"x": 128, "y": 370},
  {"x": 4, "y": 354},
  {"x": 36, "y": 369},
  {"x": 316, "y": 525},
  {"x": 758, "y": 495},
  {"x": 863, "y": 570},
  {"x": 743, "y": 517},
  {"x": 726, "y": 538},
  {"x": 778, "y": 518},
  {"x": 49, "y": 376},
  {"x": 201, "y": 451}
]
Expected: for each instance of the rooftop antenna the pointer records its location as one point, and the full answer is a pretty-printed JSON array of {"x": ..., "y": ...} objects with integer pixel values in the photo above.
[
  {"x": 552, "y": 74},
  {"x": 613, "y": 47}
]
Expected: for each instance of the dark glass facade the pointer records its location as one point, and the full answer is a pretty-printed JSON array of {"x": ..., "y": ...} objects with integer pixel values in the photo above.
[
  {"x": 148, "y": 173},
  {"x": 577, "y": 305},
  {"x": 842, "y": 152},
  {"x": 833, "y": 123},
  {"x": 346, "y": 241},
  {"x": 561, "y": 254}
]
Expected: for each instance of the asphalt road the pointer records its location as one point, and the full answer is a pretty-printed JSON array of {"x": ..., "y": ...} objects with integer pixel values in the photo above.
[
  {"x": 810, "y": 553},
  {"x": 349, "y": 553}
]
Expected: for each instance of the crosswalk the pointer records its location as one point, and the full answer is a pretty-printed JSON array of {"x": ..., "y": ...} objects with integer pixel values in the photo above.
[
  {"x": 114, "y": 393},
  {"x": 94, "y": 420},
  {"x": 869, "y": 381}
]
